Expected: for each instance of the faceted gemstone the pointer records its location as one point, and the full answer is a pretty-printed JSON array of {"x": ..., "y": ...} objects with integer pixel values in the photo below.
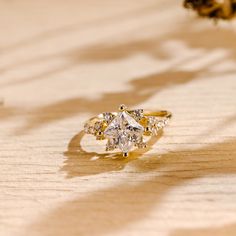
[
  {"x": 88, "y": 129},
  {"x": 125, "y": 144},
  {"x": 137, "y": 114},
  {"x": 125, "y": 130},
  {"x": 160, "y": 124},
  {"x": 111, "y": 144},
  {"x": 108, "y": 116},
  {"x": 98, "y": 126},
  {"x": 140, "y": 143},
  {"x": 155, "y": 124}
]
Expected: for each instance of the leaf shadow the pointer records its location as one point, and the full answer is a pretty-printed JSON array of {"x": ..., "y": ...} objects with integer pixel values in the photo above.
[
  {"x": 212, "y": 38},
  {"x": 141, "y": 89}
]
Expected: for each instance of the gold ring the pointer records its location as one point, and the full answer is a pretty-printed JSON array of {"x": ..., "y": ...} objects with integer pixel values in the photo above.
[{"x": 126, "y": 129}]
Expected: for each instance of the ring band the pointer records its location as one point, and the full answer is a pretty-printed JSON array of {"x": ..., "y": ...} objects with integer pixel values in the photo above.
[{"x": 125, "y": 129}]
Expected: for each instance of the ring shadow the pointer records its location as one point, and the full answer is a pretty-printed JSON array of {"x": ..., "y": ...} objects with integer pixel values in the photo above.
[
  {"x": 117, "y": 207},
  {"x": 79, "y": 162}
]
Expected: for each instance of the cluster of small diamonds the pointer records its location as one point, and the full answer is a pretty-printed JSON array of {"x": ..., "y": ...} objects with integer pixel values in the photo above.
[
  {"x": 108, "y": 117},
  {"x": 155, "y": 124},
  {"x": 137, "y": 114},
  {"x": 94, "y": 129},
  {"x": 97, "y": 128}
]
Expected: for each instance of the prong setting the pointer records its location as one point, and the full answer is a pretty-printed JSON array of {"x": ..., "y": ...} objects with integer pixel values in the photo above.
[
  {"x": 125, "y": 154},
  {"x": 122, "y": 107},
  {"x": 142, "y": 145},
  {"x": 147, "y": 129}
]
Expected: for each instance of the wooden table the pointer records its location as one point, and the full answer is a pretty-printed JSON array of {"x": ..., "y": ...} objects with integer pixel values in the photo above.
[{"x": 62, "y": 62}]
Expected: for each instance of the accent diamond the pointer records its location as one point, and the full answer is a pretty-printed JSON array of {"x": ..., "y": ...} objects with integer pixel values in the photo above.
[
  {"x": 108, "y": 116},
  {"x": 155, "y": 124},
  {"x": 137, "y": 114}
]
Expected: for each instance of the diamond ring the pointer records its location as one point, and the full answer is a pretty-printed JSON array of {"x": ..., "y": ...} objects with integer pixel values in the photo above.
[{"x": 126, "y": 129}]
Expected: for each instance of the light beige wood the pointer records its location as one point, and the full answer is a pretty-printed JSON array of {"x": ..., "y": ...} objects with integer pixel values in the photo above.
[{"x": 62, "y": 62}]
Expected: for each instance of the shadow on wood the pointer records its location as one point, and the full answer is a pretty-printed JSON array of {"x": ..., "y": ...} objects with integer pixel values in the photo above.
[
  {"x": 121, "y": 205},
  {"x": 82, "y": 163}
]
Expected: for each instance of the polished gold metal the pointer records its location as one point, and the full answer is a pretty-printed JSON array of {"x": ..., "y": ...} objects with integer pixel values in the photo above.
[{"x": 122, "y": 107}]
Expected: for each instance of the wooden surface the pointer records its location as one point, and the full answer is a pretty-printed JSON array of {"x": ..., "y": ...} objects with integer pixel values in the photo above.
[{"x": 64, "y": 61}]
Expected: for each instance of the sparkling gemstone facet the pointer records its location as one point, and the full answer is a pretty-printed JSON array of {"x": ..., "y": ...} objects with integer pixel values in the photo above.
[
  {"x": 125, "y": 131},
  {"x": 108, "y": 116},
  {"x": 155, "y": 124}
]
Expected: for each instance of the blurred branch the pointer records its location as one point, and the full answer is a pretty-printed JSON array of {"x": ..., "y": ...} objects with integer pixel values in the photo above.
[{"x": 216, "y": 9}]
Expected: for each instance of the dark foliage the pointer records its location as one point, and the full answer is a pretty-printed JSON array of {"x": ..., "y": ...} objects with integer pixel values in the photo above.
[{"x": 213, "y": 8}]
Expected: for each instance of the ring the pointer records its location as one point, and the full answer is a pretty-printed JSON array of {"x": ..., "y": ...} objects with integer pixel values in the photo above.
[{"x": 126, "y": 129}]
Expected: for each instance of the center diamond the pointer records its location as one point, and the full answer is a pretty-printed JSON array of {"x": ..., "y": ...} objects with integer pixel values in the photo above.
[{"x": 124, "y": 132}]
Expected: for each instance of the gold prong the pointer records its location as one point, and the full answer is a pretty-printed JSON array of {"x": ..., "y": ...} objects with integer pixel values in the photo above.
[
  {"x": 144, "y": 145},
  {"x": 147, "y": 129},
  {"x": 122, "y": 107},
  {"x": 99, "y": 135},
  {"x": 141, "y": 145},
  {"x": 125, "y": 154}
]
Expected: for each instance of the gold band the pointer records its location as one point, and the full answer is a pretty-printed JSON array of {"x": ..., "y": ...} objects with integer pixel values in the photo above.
[{"x": 162, "y": 113}]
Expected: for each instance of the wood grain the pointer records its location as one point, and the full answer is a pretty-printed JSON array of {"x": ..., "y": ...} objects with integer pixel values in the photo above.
[{"x": 64, "y": 61}]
